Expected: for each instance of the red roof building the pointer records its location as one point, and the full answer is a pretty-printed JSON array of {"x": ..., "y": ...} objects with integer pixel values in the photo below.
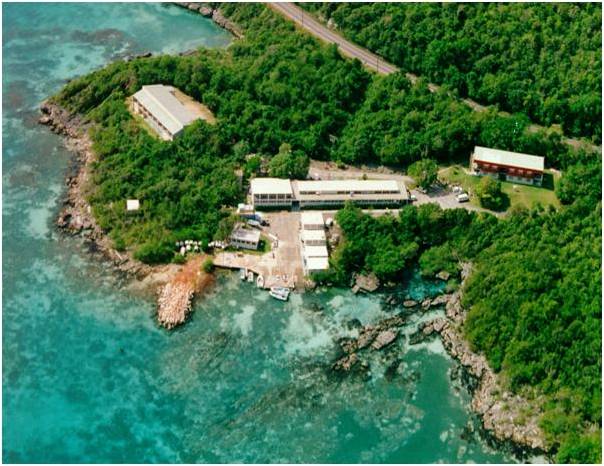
[{"x": 511, "y": 166}]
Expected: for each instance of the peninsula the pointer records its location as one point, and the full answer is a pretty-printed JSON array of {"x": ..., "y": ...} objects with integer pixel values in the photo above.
[{"x": 287, "y": 117}]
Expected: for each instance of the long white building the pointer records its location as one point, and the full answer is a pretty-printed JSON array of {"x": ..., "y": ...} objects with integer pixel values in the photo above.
[
  {"x": 160, "y": 108},
  {"x": 273, "y": 192}
]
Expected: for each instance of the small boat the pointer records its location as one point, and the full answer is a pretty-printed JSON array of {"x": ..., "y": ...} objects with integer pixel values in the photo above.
[
  {"x": 242, "y": 274},
  {"x": 250, "y": 276},
  {"x": 279, "y": 292},
  {"x": 260, "y": 281}
]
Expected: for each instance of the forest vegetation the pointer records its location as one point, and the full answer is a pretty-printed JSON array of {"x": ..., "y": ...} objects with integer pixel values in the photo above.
[
  {"x": 540, "y": 59},
  {"x": 534, "y": 297},
  {"x": 282, "y": 96}
]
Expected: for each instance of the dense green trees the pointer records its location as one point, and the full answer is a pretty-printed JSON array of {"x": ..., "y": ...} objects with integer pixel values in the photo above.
[
  {"x": 534, "y": 297},
  {"x": 424, "y": 172},
  {"x": 490, "y": 195},
  {"x": 400, "y": 123},
  {"x": 541, "y": 59},
  {"x": 289, "y": 164},
  {"x": 272, "y": 87}
]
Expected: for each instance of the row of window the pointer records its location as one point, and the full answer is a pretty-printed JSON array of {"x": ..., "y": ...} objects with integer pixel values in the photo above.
[
  {"x": 272, "y": 196},
  {"x": 348, "y": 193},
  {"x": 145, "y": 113}
]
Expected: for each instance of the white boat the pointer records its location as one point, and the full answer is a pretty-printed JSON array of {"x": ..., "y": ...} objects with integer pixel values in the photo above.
[
  {"x": 279, "y": 292},
  {"x": 260, "y": 281},
  {"x": 242, "y": 274},
  {"x": 250, "y": 276}
]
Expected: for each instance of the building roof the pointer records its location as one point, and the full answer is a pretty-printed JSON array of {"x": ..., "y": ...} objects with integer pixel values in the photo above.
[
  {"x": 132, "y": 204},
  {"x": 311, "y": 218},
  {"x": 315, "y": 251},
  {"x": 512, "y": 159},
  {"x": 160, "y": 101},
  {"x": 357, "y": 186},
  {"x": 270, "y": 186},
  {"x": 313, "y": 235},
  {"x": 317, "y": 263},
  {"x": 242, "y": 234}
]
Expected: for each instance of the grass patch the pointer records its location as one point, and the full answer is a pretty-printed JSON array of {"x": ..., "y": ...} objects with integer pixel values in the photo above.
[{"x": 519, "y": 194}]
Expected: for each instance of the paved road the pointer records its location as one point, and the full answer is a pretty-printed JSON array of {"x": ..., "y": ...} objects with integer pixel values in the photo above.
[{"x": 375, "y": 62}]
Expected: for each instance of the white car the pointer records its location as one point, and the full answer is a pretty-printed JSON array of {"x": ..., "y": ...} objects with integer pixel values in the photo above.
[
  {"x": 463, "y": 197},
  {"x": 412, "y": 197},
  {"x": 457, "y": 189}
]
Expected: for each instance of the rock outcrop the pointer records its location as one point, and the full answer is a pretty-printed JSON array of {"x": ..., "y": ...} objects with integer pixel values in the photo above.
[
  {"x": 174, "y": 304},
  {"x": 371, "y": 337},
  {"x": 507, "y": 416},
  {"x": 209, "y": 11},
  {"x": 76, "y": 217},
  {"x": 384, "y": 338},
  {"x": 365, "y": 283}
]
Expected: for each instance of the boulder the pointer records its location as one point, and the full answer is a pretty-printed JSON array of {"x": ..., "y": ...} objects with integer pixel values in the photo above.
[
  {"x": 443, "y": 275},
  {"x": 384, "y": 339},
  {"x": 440, "y": 300},
  {"x": 365, "y": 337},
  {"x": 409, "y": 303},
  {"x": 206, "y": 11},
  {"x": 345, "y": 363},
  {"x": 368, "y": 283},
  {"x": 348, "y": 345}
]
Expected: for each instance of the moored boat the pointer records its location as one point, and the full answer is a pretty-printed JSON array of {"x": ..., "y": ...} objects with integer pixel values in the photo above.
[
  {"x": 279, "y": 292},
  {"x": 260, "y": 281},
  {"x": 242, "y": 274},
  {"x": 250, "y": 276}
]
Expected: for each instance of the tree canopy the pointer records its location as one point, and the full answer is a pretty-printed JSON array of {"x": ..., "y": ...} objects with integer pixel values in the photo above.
[
  {"x": 540, "y": 59},
  {"x": 289, "y": 164},
  {"x": 534, "y": 297},
  {"x": 425, "y": 172}
]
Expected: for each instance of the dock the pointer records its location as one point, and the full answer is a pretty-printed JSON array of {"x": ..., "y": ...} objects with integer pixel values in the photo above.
[
  {"x": 282, "y": 266},
  {"x": 260, "y": 265}
]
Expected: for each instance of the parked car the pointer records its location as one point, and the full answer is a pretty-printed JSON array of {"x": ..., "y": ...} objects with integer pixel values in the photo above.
[
  {"x": 412, "y": 197},
  {"x": 463, "y": 197},
  {"x": 457, "y": 189}
]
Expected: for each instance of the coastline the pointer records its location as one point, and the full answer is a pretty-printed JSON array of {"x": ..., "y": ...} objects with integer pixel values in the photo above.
[
  {"x": 75, "y": 217},
  {"x": 498, "y": 409},
  {"x": 215, "y": 14}
]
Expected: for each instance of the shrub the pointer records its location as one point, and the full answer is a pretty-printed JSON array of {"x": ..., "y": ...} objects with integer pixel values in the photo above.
[
  {"x": 208, "y": 265},
  {"x": 154, "y": 252}
]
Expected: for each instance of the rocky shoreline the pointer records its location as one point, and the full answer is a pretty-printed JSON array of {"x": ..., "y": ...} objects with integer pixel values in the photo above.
[
  {"x": 75, "y": 217},
  {"x": 499, "y": 410},
  {"x": 209, "y": 11},
  {"x": 509, "y": 418}
]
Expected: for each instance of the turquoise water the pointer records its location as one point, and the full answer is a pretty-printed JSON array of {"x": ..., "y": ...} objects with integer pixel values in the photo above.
[{"x": 87, "y": 375}]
